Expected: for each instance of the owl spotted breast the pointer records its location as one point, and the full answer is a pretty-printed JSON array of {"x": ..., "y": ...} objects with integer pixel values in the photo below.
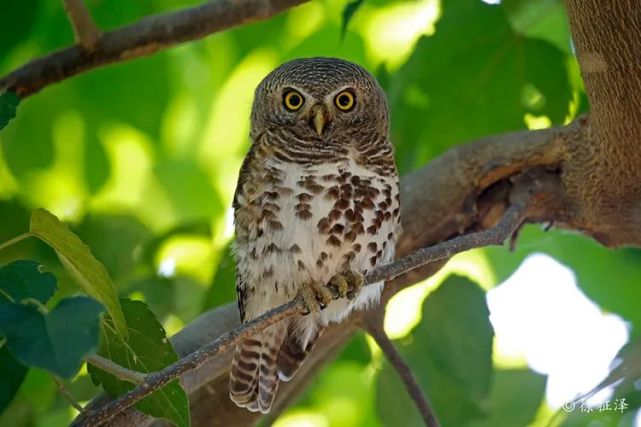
[{"x": 316, "y": 207}]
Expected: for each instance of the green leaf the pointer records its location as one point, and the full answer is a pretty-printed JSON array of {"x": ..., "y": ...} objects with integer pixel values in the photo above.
[
  {"x": 56, "y": 341},
  {"x": 8, "y": 105},
  {"x": 474, "y": 77},
  {"x": 146, "y": 350},
  {"x": 348, "y": 13},
  {"x": 22, "y": 279},
  {"x": 12, "y": 374},
  {"x": 117, "y": 240},
  {"x": 79, "y": 262},
  {"x": 450, "y": 353},
  {"x": 515, "y": 399}
]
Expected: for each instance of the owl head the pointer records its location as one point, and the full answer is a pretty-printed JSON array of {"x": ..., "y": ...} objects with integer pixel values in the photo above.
[{"x": 320, "y": 99}]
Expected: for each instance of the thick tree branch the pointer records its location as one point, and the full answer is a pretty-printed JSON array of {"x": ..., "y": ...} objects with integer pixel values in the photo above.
[
  {"x": 84, "y": 28},
  {"x": 508, "y": 225},
  {"x": 376, "y": 331},
  {"x": 603, "y": 177},
  {"x": 144, "y": 37}
]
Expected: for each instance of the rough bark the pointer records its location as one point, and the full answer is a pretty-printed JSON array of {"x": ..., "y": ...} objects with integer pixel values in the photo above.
[{"x": 603, "y": 174}]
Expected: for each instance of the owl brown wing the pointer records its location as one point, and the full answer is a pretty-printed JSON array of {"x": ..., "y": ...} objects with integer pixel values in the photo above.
[
  {"x": 238, "y": 205},
  {"x": 249, "y": 186}
]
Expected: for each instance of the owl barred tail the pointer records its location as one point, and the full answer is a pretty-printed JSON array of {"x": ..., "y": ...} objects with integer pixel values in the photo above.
[
  {"x": 293, "y": 353},
  {"x": 260, "y": 362},
  {"x": 254, "y": 374}
]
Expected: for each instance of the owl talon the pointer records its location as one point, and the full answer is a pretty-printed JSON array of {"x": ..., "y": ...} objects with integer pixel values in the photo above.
[
  {"x": 316, "y": 297},
  {"x": 346, "y": 284}
]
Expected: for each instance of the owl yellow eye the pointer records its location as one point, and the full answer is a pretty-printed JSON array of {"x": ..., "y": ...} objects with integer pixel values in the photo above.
[
  {"x": 344, "y": 101},
  {"x": 293, "y": 100}
]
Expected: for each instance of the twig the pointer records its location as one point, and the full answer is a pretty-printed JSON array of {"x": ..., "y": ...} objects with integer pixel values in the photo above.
[
  {"x": 375, "y": 329},
  {"x": 149, "y": 35},
  {"x": 115, "y": 369},
  {"x": 85, "y": 29},
  {"x": 67, "y": 395},
  {"x": 510, "y": 222}
]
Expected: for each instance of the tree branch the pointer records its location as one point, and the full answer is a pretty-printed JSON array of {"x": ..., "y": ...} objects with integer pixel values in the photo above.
[
  {"x": 115, "y": 369},
  {"x": 374, "y": 328},
  {"x": 153, "y": 381},
  {"x": 84, "y": 28},
  {"x": 144, "y": 37},
  {"x": 63, "y": 391}
]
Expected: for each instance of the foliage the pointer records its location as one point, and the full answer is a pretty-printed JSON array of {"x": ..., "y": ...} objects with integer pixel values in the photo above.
[
  {"x": 147, "y": 350},
  {"x": 140, "y": 159}
]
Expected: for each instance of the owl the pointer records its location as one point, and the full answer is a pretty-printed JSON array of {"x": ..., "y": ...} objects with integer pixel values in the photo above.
[{"x": 316, "y": 207}]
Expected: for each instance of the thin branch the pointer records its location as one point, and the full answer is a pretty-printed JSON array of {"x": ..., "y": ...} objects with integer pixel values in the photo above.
[
  {"x": 375, "y": 329},
  {"x": 149, "y": 35},
  {"x": 84, "y": 28},
  {"x": 115, "y": 369},
  {"x": 63, "y": 391},
  {"x": 510, "y": 222},
  {"x": 15, "y": 240}
]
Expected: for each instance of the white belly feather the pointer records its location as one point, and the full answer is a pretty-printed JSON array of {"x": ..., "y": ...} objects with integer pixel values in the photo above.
[{"x": 289, "y": 270}]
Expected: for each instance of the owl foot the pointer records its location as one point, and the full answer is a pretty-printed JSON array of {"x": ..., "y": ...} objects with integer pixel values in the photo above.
[
  {"x": 346, "y": 284},
  {"x": 316, "y": 296}
]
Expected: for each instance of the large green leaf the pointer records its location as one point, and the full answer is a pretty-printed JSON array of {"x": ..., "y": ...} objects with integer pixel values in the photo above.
[
  {"x": 12, "y": 373},
  {"x": 22, "y": 279},
  {"x": 79, "y": 262},
  {"x": 515, "y": 399},
  {"x": 146, "y": 350},
  {"x": 450, "y": 352},
  {"x": 56, "y": 341},
  {"x": 474, "y": 77}
]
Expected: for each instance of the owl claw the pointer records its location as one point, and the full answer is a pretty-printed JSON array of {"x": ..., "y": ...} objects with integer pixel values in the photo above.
[
  {"x": 346, "y": 284},
  {"x": 316, "y": 297}
]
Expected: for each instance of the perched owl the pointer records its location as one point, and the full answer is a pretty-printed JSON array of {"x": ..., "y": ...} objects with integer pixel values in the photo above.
[{"x": 316, "y": 207}]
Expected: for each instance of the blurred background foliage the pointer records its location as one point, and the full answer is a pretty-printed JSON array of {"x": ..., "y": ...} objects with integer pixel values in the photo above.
[{"x": 141, "y": 158}]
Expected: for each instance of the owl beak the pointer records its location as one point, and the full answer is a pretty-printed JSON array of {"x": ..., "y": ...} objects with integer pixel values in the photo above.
[{"x": 318, "y": 119}]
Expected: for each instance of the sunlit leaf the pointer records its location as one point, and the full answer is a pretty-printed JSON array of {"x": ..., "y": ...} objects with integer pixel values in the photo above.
[
  {"x": 79, "y": 262},
  {"x": 22, "y": 280},
  {"x": 146, "y": 350},
  {"x": 348, "y": 13},
  {"x": 8, "y": 106},
  {"x": 450, "y": 353},
  {"x": 56, "y": 341},
  {"x": 12, "y": 373}
]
